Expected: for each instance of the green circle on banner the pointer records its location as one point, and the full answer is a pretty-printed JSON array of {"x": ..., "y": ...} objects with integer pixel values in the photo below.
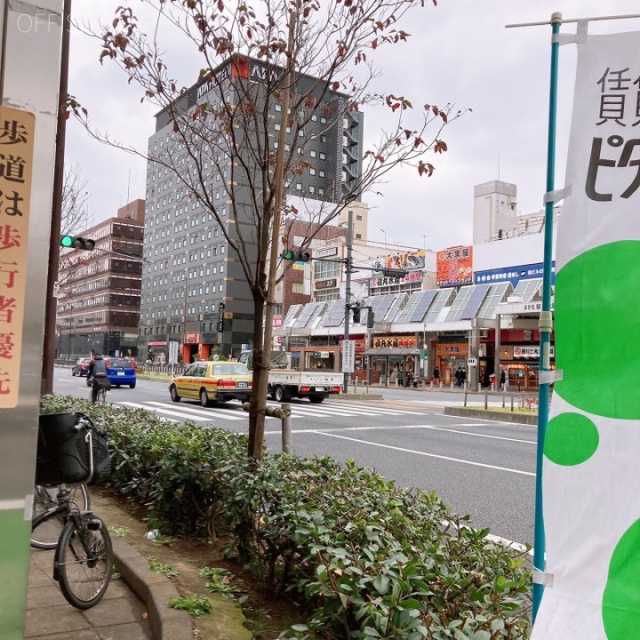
[
  {"x": 621, "y": 598},
  {"x": 596, "y": 316},
  {"x": 570, "y": 439}
]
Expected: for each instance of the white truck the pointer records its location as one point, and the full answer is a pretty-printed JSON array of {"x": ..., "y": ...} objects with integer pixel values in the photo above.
[{"x": 286, "y": 382}]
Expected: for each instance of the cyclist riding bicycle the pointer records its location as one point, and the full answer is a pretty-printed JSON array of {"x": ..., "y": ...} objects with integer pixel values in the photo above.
[{"x": 97, "y": 377}]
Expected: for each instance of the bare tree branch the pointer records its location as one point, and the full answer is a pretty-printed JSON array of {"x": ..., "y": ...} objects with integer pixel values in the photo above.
[{"x": 225, "y": 135}]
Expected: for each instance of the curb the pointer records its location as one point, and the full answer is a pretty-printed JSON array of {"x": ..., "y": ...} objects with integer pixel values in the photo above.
[
  {"x": 360, "y": 396},
  {"x": 501, "y": 416},
  {"x": 155, "y": 591}
]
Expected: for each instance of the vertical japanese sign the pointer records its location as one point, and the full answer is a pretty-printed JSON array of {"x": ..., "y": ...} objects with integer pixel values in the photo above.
[
  {"x": 454, "y": 266},
  {"x": 16, "y": 156},
  {"x": 591, "y": 473}
]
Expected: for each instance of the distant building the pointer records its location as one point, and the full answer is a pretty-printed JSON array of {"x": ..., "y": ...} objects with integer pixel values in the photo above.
[
  {"x": 496, "y": 217},
  {"x": 99, "y": 291}
]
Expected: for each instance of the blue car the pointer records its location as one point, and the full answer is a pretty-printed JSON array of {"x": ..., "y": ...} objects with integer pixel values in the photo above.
[{"x": 120, "y": 371}]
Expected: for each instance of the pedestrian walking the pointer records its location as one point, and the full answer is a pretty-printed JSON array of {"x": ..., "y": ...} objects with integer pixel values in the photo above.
[{"x": 503, "y": 379}]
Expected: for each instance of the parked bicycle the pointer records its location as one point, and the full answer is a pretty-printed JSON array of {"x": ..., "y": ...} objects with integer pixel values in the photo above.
[
  {"x": 70, "y": 449},
  {"x": 47, "y": 534}
]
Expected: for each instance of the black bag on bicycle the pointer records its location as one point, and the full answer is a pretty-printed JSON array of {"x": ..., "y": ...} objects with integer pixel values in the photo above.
[
  {"x": 101, "y": 382},
  {"x": 63, "y": 450}
]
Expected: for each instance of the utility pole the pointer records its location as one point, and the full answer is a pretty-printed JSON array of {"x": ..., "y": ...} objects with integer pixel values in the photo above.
[
  {"x": 51, "y": 302},
  {"x": 347, "y": 293}
]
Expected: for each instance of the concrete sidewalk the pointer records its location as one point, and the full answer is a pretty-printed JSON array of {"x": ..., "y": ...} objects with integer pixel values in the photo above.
[{"x": 135, "y": 606}]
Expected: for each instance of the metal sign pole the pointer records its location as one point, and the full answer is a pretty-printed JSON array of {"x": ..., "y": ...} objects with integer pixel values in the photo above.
[{"x": 30, "y": 62}]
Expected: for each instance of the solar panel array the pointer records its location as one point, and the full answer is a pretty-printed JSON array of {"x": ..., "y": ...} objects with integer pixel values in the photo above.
[
  {"x": 459, "y": 303},
  {"x": 292, "y": 314},
  {"x": 396, "y": 307},
  {"x": 498, "y": 293},
  {"x": 334, "y": 315},
  {"x": 405, "y": 314},
  {"x": 423, "y": 305},
  {"x": 475, "y": 300},
  {"x": 380, "y": 306},
  {"x": 309, "y": 309},
  {"x": 443, "y": 299},
  {"x": 528, "y": 289}
]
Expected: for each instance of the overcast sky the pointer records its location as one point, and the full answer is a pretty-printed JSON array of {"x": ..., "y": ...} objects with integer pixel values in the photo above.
[{"x": 460, "y": 52}]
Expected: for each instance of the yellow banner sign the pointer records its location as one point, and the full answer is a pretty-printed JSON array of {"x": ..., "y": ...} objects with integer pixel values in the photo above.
[{"x": 17, "y": 130}]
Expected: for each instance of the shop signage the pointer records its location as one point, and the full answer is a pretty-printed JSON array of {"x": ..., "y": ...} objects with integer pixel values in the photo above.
[
  {"x": 529, "y": 351},
  {"x": 385, "y": 281},
  {"x": 454, "y": 266},
  {"x": 445, "y": 349},
  {"x": 191, "y": 338},
  {"x": 513, "y": 274},
  {"x": 414, "y": 260},
  {"x": 277, "y": 322},
  {"x": 321, "y": 354},
  {"x": 326, "y": 284},
  {"x": 395, "y": 341},
  {"x": 325, "y": 253},
  {"x": 160, "y": 343}
]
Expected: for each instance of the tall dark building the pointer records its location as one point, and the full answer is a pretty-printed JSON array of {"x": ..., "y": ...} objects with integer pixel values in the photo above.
[{"x": 190, "y": 270}]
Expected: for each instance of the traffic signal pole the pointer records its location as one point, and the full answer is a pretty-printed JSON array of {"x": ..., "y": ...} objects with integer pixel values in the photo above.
[{"x": 347, "y": 293}]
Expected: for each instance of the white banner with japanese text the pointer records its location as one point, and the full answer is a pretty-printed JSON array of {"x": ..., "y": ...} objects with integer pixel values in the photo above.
[{"x": 591, "y": 474}]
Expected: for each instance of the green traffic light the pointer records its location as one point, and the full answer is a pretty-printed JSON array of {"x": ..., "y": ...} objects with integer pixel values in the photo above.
[
  {"x": 288, "y": 255},
  {"x": 66, "y": 241}
]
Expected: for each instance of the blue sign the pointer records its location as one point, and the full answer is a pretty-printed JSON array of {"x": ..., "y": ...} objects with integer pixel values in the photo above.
[{"x": 513, "y": 274}]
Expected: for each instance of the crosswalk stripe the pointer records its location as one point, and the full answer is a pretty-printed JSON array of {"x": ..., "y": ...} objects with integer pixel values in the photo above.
[
  {"x": 378, "y": 409},
  {"x": 227, "y": 415},
  {"x": 328, "y": 410},
  {"x": 182, "y": 415}
]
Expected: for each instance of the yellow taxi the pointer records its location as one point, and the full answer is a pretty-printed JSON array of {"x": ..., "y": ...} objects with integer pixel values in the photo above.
[{"x": 212, "y": 382}]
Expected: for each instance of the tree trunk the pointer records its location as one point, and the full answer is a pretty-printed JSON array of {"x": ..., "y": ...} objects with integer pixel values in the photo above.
[{"x": 261, "y": 362}]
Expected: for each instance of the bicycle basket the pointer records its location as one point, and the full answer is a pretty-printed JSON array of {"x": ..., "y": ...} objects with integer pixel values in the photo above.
[{"x": 63, "y": 451}]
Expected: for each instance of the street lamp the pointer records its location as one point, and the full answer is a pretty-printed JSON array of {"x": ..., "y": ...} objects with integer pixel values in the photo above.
[{"x": 385, "y": 238}]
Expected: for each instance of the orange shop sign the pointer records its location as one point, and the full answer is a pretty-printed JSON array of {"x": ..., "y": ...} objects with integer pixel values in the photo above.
[
  {"x": 191, "y": 338},
  {"x": 454, "y": 266},
  {"x": 452, "y": 350}
]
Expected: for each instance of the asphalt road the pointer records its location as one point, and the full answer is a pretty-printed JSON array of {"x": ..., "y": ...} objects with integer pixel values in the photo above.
[{"x": 482, "y": 468}]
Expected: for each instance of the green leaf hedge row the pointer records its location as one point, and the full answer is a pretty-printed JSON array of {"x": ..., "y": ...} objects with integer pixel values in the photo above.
[{"x": 367, "y": 558}]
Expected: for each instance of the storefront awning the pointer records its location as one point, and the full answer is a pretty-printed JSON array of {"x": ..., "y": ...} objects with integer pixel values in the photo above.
[{"x": 392, "y": 351}]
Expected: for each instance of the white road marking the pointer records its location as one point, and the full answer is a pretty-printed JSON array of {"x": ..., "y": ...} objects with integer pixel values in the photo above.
[
  {"x": 412, "y": 426},
  {"x": 424, "y": 453}
]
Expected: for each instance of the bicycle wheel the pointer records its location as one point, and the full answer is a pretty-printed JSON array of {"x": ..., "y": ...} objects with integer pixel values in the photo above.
[
  {"x": 83, "y": 562},
  {"x": 47, "y": 533}
]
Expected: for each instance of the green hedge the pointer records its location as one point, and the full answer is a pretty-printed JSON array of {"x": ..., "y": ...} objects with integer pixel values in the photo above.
[{"x": 367, "y": 558}]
